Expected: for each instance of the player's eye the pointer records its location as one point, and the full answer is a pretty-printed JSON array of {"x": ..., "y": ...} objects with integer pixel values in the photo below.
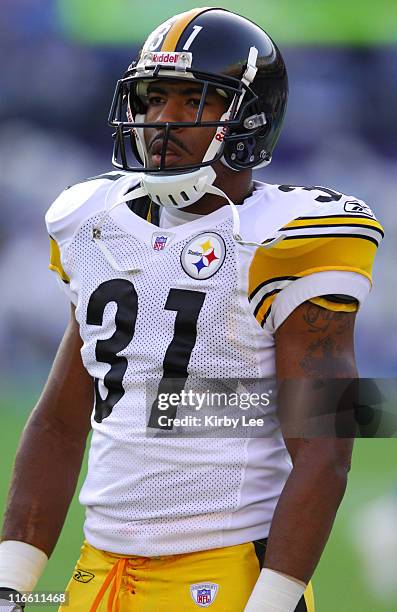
[
  {"x": 195, "y": 102},
  {"x": 155, "y": 100}
]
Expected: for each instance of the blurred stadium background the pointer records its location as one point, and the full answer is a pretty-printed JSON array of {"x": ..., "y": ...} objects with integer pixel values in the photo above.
[{"x": 60, "y": 62}]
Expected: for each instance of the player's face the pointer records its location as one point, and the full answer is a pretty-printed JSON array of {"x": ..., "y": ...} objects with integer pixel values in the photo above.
[{"x": 171, "y": 101}]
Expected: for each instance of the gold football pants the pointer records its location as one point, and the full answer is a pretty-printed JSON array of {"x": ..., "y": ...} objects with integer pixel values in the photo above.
[{"x": 220, "y": 579}]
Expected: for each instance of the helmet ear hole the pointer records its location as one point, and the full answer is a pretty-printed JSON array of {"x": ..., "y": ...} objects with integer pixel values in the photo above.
[{"x": 244, "y": 151}]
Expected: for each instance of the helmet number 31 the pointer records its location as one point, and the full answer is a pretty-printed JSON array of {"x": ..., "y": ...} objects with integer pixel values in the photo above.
[{"x": 157, "y": 38}]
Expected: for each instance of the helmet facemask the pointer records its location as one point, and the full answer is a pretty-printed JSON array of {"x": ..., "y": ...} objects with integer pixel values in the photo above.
[{"x": 128, "y": 116}]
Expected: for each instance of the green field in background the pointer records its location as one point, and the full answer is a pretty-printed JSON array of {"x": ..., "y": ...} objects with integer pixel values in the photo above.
[
  {"x": 117, "y": 22},
  {"x": 338, "y": 582}
]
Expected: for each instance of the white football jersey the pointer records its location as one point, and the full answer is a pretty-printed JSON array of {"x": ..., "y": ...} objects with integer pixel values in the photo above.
[{"x": 188, "y": 303}]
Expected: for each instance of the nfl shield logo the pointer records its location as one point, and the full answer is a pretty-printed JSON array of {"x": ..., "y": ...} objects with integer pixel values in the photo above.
[
  {"x": 204, "y": 593},
  {"x": 159, "y": 242}
]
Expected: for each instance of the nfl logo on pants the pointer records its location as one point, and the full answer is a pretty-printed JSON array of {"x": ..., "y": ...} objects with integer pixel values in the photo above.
[{"x": 204, "y": 593}]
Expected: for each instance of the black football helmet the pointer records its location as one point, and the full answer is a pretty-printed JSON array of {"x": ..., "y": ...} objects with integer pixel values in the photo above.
[{"x": 216, "y": 48}]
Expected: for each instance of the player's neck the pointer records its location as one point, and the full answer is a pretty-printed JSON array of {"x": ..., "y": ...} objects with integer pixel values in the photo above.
[{"x": 236, "y": 185}]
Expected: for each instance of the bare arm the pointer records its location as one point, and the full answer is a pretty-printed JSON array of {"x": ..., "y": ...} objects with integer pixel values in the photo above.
[
  {"x": 311, "y": 343},
  {"x": 51, "y": 450}
]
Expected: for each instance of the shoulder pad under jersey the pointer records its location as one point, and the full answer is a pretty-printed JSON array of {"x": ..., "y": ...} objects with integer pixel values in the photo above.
[
  {"x": 318, "y": 230},
  {"x": 315, "y": 210},
  {"x": 77, "y": 203},
  {"x": 332, "y": 215}
]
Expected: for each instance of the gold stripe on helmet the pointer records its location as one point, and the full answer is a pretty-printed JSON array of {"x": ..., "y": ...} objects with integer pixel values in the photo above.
[{"x": 173, "y": 36}]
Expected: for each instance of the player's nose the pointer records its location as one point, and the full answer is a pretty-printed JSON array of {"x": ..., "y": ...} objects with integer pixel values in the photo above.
[{"x": 171, "y": 111}]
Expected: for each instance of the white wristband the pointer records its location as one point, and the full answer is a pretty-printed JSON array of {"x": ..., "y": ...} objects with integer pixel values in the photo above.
[
  {"x": 21, "y": 565},
  {"x": 274, "y": 592}
]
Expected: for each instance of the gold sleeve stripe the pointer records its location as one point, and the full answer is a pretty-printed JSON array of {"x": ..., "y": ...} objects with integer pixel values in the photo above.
[
  {"x": 311, "y": 271},
  {"x": 309, "y": 598},
  {"x": 274, "y": 269},
  {"x": 336, "y": 227},
  {"x": 339, "y": 216},
  {"x": 265, "y": 300},
  {"x": 337, "y": 269},
  {"x": 173, "y": 36},
  {"x": 292, "y": 258},
  {"x": 317, "y": 236},
  {"x": 265, "y": 307},
  {"x": 335, "y": 221},
  {"x": 336, "y": 307},
  {"x": 55, "y": 261}
]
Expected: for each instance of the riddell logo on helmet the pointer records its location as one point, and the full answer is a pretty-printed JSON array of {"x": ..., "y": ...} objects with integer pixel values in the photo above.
[
  {"x": 165, "y": 58},
  {"x": 221, "y": 135}
]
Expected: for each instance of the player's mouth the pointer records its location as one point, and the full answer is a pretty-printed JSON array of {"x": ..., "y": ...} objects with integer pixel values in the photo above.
[
  {"x": 169, "y": 159},
  {"x": 172, "y": 155}
]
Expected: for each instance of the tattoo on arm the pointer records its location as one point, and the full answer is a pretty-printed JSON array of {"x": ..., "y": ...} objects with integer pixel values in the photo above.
[
  {"x": 326, "y": 355},
  {"x": 319, "y": 319}
]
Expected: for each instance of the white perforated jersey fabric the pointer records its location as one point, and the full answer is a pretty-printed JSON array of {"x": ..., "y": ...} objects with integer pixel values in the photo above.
[
  {"x": 159, "y": 494},
  {"x": 152, "y": 496}
]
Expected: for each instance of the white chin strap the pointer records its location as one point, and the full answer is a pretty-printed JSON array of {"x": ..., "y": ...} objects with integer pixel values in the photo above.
[{"x": 179, "y": 191}]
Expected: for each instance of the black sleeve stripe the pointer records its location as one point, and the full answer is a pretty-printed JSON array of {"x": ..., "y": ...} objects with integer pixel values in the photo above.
[
  {"x": 301, "y": 227},
  {"x": 313, "y": 236},
  {"x": 276, "y": 279},
  {"x": 261, "y": 301},
  {"x": 266, "y": 316},
  {"x": 339, "y": 298},
  {"x": 302, "y": 606},
  {"x": 343, "y": 216}
]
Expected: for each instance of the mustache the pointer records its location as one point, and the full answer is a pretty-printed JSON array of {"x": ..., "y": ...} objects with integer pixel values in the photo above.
[{"x": 171, "y": 138}]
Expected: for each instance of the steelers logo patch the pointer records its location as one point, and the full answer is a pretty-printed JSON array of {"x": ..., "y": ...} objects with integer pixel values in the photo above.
[{"x": 203, "y": 255}]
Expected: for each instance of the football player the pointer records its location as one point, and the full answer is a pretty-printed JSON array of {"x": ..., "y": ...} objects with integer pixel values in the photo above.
[{"x": 181, "y": 268}]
